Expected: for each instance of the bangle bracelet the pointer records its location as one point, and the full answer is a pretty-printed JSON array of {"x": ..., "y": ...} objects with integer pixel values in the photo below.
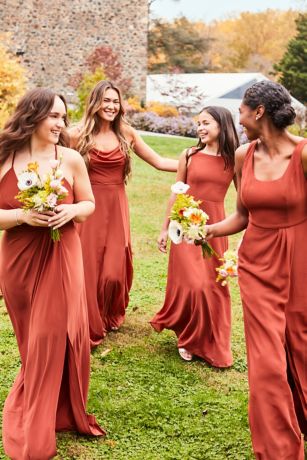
[{"x": 16, "y": 216}]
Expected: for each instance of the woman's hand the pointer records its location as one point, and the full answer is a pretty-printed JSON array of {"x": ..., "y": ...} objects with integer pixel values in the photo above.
[
  {"x": 63, "y": 214},
  {"x": 162, "y": 241},
  {"x": 34, "y": 218},
  {"x": 209, "y": 232}
]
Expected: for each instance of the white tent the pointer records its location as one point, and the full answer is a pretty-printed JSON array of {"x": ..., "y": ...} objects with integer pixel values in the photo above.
[{"x": 197, "y": 90}]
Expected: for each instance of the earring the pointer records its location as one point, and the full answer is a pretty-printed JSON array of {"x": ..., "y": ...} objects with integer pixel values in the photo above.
[{"x": 257, "y": 117}]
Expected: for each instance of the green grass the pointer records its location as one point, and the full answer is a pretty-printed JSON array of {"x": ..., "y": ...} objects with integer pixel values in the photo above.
[{"x": 152, "y": 404}]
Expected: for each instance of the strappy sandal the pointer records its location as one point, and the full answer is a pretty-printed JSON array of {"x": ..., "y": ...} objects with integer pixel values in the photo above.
[{"x": 185, "y": 354}]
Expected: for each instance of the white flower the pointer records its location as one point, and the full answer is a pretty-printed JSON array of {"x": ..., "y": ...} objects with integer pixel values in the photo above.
[
  {"x": 180, "y": 187},
  {"x": 188, "y": 211},
  {"x": 193, "y": 232},
  {"x": 59, "y": 174},
  {"x": 54, "y": 163},
  {"x": 52, "y": 200},
  {"x": 175, "y": 231},
  {"x": 55, "y": 184},
  {"x": 38, "y": 202},
  {"x": 62, "y": 190},
  {"x": 27, "y": 180}
]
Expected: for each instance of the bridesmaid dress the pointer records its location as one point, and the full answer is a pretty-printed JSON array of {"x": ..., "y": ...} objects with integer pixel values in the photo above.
[
  {"x": 44, "y": 291},
  {"x": 272, "y": 277},
  {"x": 196, "y": 307},
  {"x": 105, "y": 238}
]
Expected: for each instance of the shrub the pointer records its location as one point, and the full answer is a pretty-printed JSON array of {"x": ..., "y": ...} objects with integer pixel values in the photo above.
[
  {"x": 12, "y": 82},
  {"x": 163, "y": 110},
  {"x": 149, "y": 121}
]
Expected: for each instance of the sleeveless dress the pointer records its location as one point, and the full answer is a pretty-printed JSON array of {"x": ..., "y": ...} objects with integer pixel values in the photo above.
[
  {"x": 105, "y": 238},
  {"x": 44, "y": 292},
  {"x": 196, "y": 307},
  {"x": 272, "y": 277}
]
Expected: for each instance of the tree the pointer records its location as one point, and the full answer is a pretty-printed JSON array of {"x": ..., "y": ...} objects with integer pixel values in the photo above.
[
  {"x": 103, "y": 57},
  {"x": 12, "y": 81},
  {"x": 178, "y": 46},
  {"x": 251, "y": 42},
  {"x": 293, "y": 65}
]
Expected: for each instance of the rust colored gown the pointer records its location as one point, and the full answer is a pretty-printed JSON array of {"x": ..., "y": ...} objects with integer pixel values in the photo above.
[
  {"x": 196, "y": 307},
  {"x": 43, "y": 288},
  {"x": 105, "y": 238},
  {"x": 273, "y": 276}
]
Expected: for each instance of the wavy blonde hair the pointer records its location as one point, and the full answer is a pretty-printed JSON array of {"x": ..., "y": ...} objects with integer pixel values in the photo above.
[{"x": 91, "y": 124}]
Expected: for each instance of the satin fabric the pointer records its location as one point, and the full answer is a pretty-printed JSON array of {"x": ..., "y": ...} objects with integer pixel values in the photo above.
[
  {"x": 272, "y": 277},
  {"x": 196, "y": 307},
  {"x": 44, "y": 291},
  {"x": 106, "y": 245}
]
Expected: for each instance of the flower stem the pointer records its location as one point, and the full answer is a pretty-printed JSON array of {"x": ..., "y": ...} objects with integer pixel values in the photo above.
[{"x": 55, "y": 234}]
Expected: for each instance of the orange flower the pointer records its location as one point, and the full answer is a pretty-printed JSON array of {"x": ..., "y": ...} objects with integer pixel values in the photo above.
[{"x": 196, "y": 218}]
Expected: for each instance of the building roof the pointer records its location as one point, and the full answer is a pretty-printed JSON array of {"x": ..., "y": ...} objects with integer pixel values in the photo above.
[{"x": 223, "y": 89}]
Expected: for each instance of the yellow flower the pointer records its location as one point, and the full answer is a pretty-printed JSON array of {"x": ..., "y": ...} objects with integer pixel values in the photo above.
[{"x": 33, "y": 166}]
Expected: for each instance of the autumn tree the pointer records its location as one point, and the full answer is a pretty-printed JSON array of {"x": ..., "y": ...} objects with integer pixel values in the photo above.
[
  {"x": 251, "y": 42},
  {"x": 12, "y": 81},
  {"x": 293, "y": 65},
  {"x": 178, "y": 46}
]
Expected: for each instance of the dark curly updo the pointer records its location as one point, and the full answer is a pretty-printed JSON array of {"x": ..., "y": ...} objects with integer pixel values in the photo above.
[{"x": 276, "y": 100}]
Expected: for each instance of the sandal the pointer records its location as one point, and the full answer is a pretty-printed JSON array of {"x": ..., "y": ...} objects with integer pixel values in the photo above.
[{"x": 185, "y": 354}]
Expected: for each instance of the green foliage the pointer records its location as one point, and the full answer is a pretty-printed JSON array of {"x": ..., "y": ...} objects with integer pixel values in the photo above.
[
  {"x": 153, "y": 405},
  {"x": 87, "y": 83},
  {"x": 12, "y": 81},
  {"x": 293, "y": 66},
  {"x": 176, "y": 46}
]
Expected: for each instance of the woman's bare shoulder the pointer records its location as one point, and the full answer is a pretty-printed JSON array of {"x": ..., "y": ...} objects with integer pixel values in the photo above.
[{"x": 69, "y": 155}]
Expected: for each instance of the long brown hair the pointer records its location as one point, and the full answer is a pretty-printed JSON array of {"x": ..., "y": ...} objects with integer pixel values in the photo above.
[
  {"x": 228, "y": 138},
  {"x": 32, "y": 108},
  {"x": 91, "y": 123}
]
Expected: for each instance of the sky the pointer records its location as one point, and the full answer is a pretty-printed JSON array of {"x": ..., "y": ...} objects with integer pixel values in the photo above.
[{"x": 203, "y": 10}]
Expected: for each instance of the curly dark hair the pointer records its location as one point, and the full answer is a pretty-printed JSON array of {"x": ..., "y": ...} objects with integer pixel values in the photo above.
[
  {"x": 275, "y": 99},
  {"x": 32, "y": 108}
]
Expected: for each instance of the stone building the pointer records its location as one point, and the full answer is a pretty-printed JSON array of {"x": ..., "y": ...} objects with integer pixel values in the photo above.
[{"x": 54, "y": 37}]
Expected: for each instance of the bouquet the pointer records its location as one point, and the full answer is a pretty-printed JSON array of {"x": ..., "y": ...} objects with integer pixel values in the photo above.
[
  {"x": 41, "y": 194},
  {"x": 229, "y": 267},
  {"x": 188, "y": 221}
]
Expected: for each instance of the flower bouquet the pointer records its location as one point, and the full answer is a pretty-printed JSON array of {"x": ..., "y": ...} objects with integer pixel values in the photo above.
[
  {"x": 41, "y": 194},
  {"x": 229, "y": 267},
  {"x": 188, "y": 221}
]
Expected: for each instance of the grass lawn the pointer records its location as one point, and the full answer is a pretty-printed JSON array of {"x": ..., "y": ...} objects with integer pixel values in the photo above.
[{"x": 153, "y": 405}]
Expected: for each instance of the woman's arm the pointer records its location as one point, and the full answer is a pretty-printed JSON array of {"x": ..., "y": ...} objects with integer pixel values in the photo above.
[
  {"x": 304, "y": 159},
  {"x": 237, "y": 221},
  {"x": 149, "y": 155},
  {"x": 181, "y": 176},
  {"x": 84, "y": 204},
  {"x": 10, "y": 218}
]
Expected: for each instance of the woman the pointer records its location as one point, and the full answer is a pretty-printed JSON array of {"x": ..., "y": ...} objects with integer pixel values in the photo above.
[
  {"x": 272, "y": 204},
  {"x": 43, "y": 284},
  {"x": 196, "y": 307},
  {"x": 105, "y": 141}
]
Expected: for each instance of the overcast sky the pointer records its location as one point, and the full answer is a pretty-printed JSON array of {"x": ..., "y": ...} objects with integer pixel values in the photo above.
[{"x": 208, "y": 10}]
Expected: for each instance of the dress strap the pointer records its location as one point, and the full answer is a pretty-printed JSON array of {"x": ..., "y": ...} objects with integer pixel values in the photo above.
[
  {"x": 13, "y": 159},
  {"x": 248, "y": 159}
]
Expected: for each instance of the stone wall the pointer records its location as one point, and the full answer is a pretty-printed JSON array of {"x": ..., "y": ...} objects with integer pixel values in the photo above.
[{"x": 53, "y": 38}]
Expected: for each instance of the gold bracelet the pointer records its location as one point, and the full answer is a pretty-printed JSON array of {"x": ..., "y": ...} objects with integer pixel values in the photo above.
[{"x": 16, "y": 216}]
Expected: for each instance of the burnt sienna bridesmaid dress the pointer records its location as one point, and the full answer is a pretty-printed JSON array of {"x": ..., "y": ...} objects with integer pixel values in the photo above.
[
  {"x": 196, "y": 307},
  {"x": 105, "y": 238},
  {"x": 273, "y": 276},
  {"x": 44, "y": 291}
]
